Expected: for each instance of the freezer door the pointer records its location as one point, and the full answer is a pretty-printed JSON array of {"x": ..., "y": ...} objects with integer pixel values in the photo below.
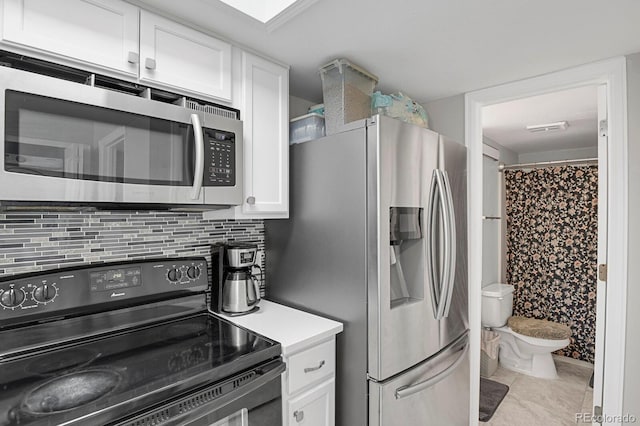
[
  {"x": 435, "y": 392},
  {"x": 403, "y": 328}
]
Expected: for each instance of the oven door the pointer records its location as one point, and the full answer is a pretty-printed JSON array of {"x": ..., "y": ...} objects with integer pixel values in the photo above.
[
  {"x": 243, "y": 400},
  {"x": 67, "y": 142}
]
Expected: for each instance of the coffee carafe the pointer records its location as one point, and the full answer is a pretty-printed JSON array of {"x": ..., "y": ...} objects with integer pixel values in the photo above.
[{"x": 235, "y": 289}]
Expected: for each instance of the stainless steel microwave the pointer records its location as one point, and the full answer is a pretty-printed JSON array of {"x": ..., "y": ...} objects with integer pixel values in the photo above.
[{"x": 72, "y": 144}]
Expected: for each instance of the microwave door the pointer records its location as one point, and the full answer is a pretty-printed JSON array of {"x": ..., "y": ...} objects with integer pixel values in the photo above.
[
  {"x": 64, "y": 141},
  {"x": 167, "y": 161}
]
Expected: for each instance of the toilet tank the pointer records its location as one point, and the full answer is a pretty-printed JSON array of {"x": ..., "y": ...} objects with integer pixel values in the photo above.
[{"x": 497, "y": 304}]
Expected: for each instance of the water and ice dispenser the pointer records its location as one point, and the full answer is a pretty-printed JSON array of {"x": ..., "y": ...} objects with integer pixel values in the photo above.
[{"x": 407, "y": 254}]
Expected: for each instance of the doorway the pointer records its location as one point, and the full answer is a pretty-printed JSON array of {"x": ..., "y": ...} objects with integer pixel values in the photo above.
[
  {"x": 542, "y": 227},
  {"x": 611, "y": 75}
]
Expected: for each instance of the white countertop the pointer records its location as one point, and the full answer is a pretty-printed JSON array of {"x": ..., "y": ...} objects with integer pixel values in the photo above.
[{"x": 293, "y": 329}]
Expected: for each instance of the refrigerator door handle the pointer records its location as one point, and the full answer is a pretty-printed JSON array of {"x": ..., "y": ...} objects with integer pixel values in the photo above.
[
  {"x": 450, "y": 247},
  {"x": 404, "y": 391},
  {"x": 432, "y": 244},
  {"x": 448, "y": 243}
]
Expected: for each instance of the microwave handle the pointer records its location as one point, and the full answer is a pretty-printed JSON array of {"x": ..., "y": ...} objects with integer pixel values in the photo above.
[{"x": 198, "y": 174}]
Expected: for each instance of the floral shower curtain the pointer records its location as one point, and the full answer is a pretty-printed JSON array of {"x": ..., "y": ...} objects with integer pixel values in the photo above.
[{"x": 552, "y": 237}]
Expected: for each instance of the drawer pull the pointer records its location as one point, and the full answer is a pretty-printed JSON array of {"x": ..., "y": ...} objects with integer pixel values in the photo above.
[
  {"x": 310, "y": 369},
  {"x": 298, "y": 415}
]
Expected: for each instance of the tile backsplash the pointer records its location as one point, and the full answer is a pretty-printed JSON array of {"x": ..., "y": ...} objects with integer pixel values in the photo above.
[{"x": 34, "y": 241}]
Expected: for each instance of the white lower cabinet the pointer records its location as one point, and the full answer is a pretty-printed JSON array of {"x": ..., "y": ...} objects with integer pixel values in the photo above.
[
  {"x": 315, "y": 407},
  {"x": 308, "y": 345},
  {"x": 308, "y": 386}
]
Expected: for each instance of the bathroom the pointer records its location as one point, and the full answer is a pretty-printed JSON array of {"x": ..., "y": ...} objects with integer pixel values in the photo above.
[{"x": 541, "y": 236}]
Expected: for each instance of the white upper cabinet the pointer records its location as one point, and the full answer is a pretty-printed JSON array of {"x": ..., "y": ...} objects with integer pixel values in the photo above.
[
  {"x": 103, "y": 33},
  {"x": 262, "y": 96},
  {"x": 113, "y": 37},
  {"x": 175, "y": 56},
  {"x": 266, "y": 135}
]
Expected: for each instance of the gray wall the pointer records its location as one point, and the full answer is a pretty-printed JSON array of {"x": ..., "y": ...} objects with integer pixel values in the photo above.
[
  {"x": 631, "y": 402},
  {"x": 298, "y": 106},
  {"x": 446, "y": 116}
]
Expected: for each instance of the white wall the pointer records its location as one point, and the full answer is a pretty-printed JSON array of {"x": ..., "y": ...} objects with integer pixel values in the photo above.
[
  {"x": 491, "y": 228},
  {"x": 507, "y": 156},
  {"x": 631, "y": 401},
  {"x": 561, "y": 154}
]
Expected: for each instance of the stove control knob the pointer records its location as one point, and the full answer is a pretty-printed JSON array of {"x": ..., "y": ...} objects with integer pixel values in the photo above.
[
  {"x": 174, "y": 275},
  {"x": 12, "y": 297},
  {"x": 44, "y": 293},
  {"x": 193, "y": 272}
]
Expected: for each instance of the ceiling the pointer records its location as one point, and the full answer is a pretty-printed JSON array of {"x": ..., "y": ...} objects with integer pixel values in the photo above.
[
  {"x": 506, "y": 123},
  {"x": 429, "y": 49}
]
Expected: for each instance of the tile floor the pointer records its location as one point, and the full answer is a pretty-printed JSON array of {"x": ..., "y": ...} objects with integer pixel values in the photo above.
[{"x": 540, "y": 402}]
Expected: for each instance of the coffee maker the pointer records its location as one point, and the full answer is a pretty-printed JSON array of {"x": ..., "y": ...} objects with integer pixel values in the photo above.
[{"x": 235, "y": 290}]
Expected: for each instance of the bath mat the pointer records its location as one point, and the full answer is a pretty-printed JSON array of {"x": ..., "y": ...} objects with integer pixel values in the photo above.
[{"x": 491, "y": 395}]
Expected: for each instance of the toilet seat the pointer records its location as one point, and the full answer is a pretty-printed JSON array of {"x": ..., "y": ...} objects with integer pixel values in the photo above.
[
  {"x": 535, "y": 341},
  {"x": 538, "y": 329}
]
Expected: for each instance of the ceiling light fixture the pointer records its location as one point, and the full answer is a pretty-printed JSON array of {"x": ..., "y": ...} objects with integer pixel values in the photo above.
[{"x": 558, "y": 125}]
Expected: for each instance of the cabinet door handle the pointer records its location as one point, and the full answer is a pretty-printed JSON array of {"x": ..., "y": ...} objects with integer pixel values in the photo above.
[
  {"x": 251, "y": 200},
  {"x": 150, "y": 64},
  {"x": 298, "y": 415},
  {"x": 133, "y": 58},
  {"x": 310, "y": 369}
]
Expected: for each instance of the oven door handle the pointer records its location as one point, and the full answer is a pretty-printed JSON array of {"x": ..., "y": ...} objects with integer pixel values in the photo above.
[
  {"x": 193, "y": 408},
  {"x": 198, "y": 174}
]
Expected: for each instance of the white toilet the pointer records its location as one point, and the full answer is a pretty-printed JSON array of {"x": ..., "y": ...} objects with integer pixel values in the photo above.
[{"x": 527, "y": 351}]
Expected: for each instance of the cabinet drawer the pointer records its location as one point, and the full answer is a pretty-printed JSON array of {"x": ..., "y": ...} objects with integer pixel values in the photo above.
[
  {"x": 311, "y": 366},
  {"x": 316, "y": 407}
]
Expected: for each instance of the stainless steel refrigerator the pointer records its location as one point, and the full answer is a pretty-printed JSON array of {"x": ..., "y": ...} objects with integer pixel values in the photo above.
[{"x": 377, "y": 239}]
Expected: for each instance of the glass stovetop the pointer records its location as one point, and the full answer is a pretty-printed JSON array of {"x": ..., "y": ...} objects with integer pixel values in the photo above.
[{"x": 133, "y": 368}]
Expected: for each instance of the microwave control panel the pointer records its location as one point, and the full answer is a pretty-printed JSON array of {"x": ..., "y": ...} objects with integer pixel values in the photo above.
[{"x": 221, "y": 168}]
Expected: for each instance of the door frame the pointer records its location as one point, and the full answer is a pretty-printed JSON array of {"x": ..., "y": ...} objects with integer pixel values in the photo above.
[{"x": 612, "y": 73}]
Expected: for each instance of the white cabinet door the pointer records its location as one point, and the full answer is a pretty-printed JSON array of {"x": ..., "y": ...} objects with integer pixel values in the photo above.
[
  {"x": 175, "y": 56},
  {"x": 266, "y": 135},
  {"x": 97, "y": 32},
  {"x": 313, "y": 408}
]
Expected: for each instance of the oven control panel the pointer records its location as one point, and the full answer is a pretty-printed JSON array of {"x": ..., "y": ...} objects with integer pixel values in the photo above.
[
  {"x": 115, "y": 279},
  {"x": 28, "y": 295},
  {"x": 183, "y": 274},
  {"x": 84, "y": 287}
]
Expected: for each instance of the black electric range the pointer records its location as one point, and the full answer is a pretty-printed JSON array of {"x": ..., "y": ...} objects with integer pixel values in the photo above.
[{"x": 129, "y": 344}]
